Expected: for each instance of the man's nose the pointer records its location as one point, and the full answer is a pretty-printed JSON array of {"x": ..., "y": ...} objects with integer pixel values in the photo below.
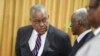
[{"x": 41, "y": 23}]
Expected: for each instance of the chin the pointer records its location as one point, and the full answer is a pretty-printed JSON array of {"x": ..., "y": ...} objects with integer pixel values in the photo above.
[{"x": 41, "y": 33}]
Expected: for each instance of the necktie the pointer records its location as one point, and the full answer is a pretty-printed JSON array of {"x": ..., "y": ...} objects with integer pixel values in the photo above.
[
  {"x": 37, "y": 46},
  {"x": 76, "y": 43}
]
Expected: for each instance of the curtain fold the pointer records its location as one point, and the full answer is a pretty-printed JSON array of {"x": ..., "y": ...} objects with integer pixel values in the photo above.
[{"x": 15, "y": 14}]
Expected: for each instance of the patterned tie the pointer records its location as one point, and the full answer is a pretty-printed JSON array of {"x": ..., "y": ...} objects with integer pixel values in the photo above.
[{"x": 37, "y": 46}]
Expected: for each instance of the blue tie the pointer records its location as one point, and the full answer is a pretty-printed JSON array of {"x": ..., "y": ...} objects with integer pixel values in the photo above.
[{"x": 37, "y": 46}]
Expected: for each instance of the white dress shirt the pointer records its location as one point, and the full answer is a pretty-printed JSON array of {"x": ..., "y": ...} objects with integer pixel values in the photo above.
[
  {"x": 32, "y": 41},
  {"x": 82, "y": 35}
]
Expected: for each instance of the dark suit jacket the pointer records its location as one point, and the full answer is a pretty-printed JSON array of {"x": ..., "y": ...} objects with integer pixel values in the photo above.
[
  {"x": 86, "y": 38},
  {"x": 57, "y": 42}
]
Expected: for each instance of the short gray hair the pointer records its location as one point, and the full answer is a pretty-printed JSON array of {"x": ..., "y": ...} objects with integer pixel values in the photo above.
[
  {"x": 39, "y": 8},
  {"x": 81, "y": 14}
]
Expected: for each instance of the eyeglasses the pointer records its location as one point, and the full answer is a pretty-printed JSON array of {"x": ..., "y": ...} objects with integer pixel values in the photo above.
[{"x": 44, "y": 20}]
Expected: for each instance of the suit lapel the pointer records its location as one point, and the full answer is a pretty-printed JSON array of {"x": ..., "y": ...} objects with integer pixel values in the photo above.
[
  {"x": 87, "y": 37},
  {"x": 25, "y": 44},
  {"x": 47, "y": 41}
]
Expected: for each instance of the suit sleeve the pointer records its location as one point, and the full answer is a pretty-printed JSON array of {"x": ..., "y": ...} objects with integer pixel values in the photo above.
[
  {"x": 66, "y": 47},
  {"x": 17, "y": 46}
]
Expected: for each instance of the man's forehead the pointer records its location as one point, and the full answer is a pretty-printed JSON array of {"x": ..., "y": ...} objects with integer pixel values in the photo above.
[{"x": 39, "y": 14}]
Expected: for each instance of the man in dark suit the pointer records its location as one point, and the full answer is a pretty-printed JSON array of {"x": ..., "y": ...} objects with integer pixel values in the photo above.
[
  {"x": 80, "y": 27},
  {"x": 40, "y": 38},
  {"x": 92, "y": 47}
]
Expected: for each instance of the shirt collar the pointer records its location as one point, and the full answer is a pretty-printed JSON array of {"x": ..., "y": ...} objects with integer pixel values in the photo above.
[
  {"x": 36, "y": 33},
  {"x": 82, "y": 35},
  {"x": 97, "y": 31}
]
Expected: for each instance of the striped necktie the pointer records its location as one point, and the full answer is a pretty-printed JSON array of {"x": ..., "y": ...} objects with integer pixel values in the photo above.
[{"x": 37, "y": 46}]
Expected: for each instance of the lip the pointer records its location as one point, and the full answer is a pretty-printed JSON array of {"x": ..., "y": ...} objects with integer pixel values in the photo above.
[{"x": 42, "y": 29}]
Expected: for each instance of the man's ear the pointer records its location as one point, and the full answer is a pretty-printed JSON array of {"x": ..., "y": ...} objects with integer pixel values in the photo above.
[
  {"x": 79, "y": 23},
  {"x": 30, "y": 19}
]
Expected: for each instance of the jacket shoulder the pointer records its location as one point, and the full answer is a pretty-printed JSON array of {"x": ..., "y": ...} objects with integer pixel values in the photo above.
[
  {"x": 28, "y": 27},
  {"x": 58, "y": 32}
]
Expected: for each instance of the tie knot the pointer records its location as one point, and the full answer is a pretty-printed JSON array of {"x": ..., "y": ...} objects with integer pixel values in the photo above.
[
  {"x": 39, "y": 35},
  {"x": 76, "y": 42}
]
